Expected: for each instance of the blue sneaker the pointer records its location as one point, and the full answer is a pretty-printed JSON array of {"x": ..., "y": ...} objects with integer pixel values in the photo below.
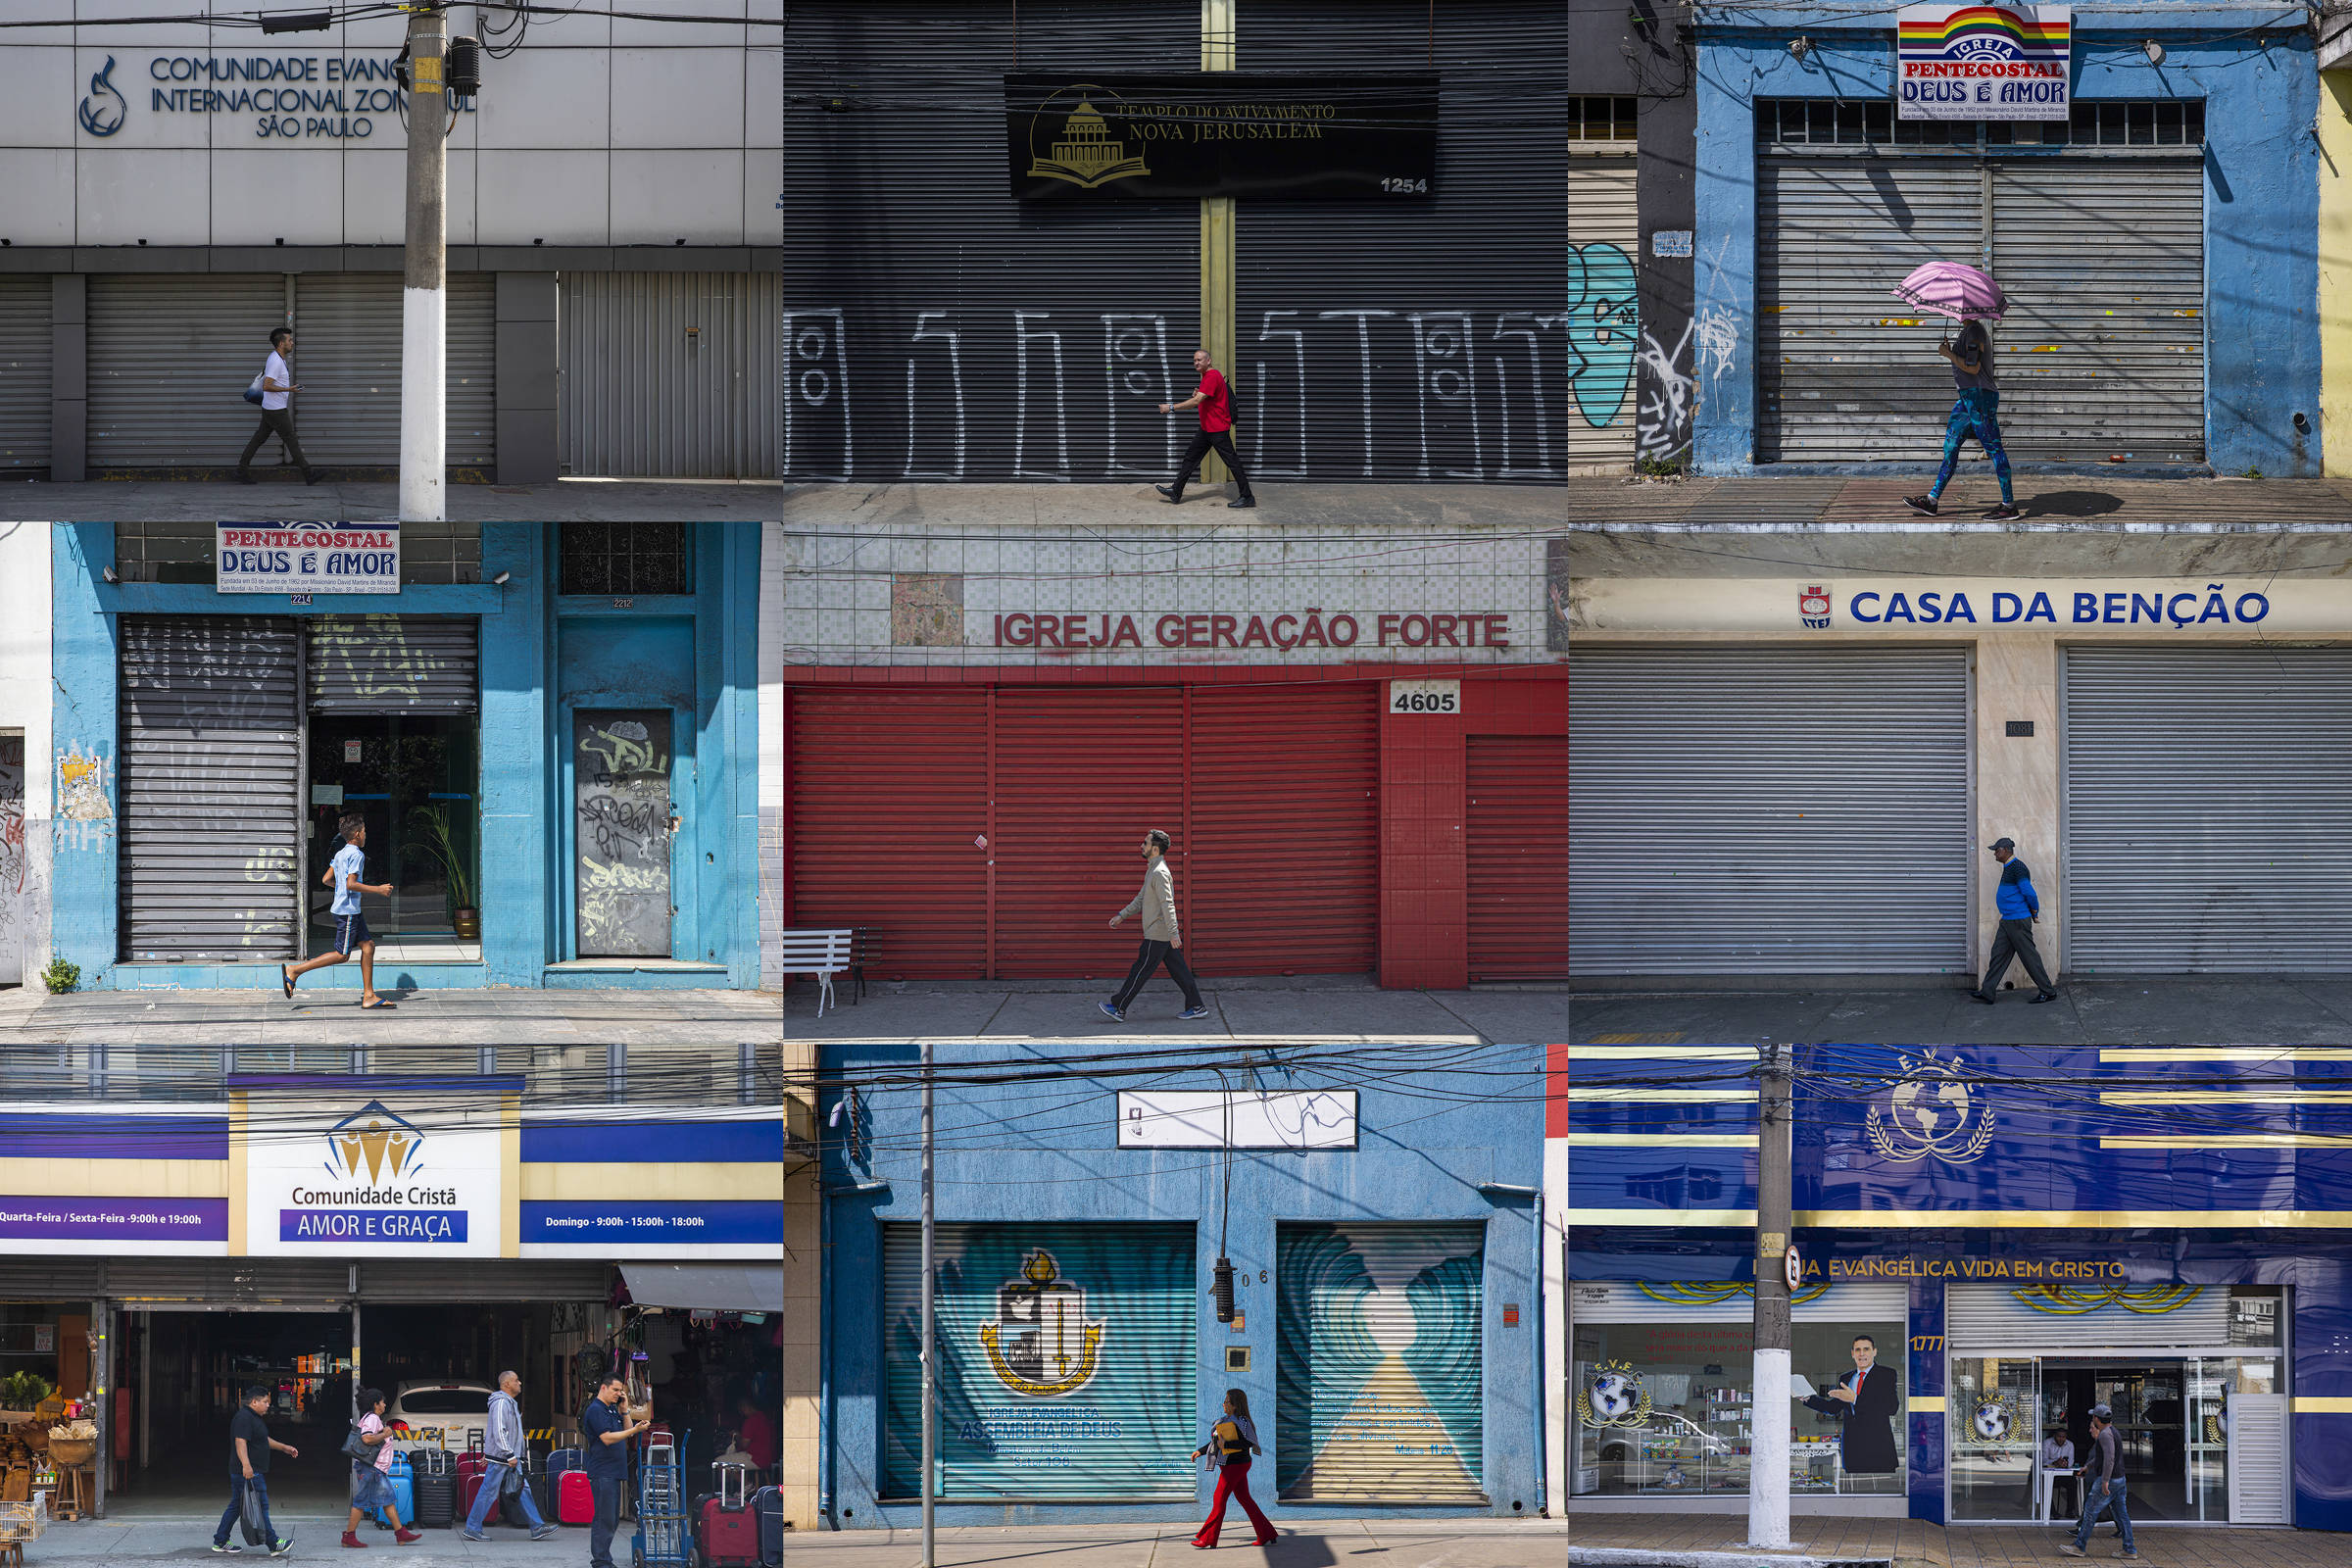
[
  {"x": 1111, "y": 1013},
  {"x": 1193, "y": 1012},
  {"x": 471, "y": 1535}
]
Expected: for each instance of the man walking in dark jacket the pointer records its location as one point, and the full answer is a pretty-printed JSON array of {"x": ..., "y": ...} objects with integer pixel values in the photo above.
[
  {"x": 2018, "y": 907},
  {"x": 2103, "y": 1487}
]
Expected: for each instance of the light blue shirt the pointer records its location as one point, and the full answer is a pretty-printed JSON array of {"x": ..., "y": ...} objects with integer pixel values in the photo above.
[{"x": 351, "y": 863}]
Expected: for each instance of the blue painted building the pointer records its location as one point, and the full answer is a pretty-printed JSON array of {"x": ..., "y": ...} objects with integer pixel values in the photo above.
[
  {"x": 550, "y": 731},
  {"x": 2021, "y": 1233},
  {"x": 1379, "y": 1208},
  {"x": 2157, "y": 241}
]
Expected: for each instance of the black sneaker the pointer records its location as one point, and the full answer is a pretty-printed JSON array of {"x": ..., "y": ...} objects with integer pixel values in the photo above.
[
  {"x": 1979, "y": 996},
  {"x": 2043, "y": 996},
  {"x": 2006, "y": 512},
  {"x": 1169, "y": 493},
  {"x": 242, "y": 478},
  {"x": 1236, "y": 506},
  {"x": 1923, "y": 504},
  {"x": 282, "y": 1547},
  {"x": 312, "y": 476}
]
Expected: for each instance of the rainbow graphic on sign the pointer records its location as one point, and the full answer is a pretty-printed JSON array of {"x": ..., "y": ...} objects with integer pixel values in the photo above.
[{"x": 1983, "y": 62}]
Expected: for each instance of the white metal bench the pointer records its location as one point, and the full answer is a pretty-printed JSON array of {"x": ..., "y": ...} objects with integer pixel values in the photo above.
[{"x": 822, "y": 954}]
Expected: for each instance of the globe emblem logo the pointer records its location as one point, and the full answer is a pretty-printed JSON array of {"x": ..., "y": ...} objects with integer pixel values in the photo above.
[
  {"x": 1934, "y": 1111},
  {"x": 1993, "y": 1419},
  {"x": 1613, "y": 1396}
]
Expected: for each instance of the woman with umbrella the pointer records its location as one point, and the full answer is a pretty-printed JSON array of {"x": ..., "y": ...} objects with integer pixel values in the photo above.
[{"x": 1971, "y": 298}]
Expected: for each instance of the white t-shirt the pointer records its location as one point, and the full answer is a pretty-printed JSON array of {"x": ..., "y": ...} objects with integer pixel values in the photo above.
[
  {"x": 351, "y": 863},
  {"x": 277, "y": 372}
]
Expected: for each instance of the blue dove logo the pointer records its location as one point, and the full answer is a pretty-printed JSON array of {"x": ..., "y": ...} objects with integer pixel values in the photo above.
[{"x": 103, "y": 111}]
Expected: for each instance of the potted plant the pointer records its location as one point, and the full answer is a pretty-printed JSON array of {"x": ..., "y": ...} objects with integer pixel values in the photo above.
[
  {"x": 22, "y": 1391},
  {"x": 433, "y": 825}
]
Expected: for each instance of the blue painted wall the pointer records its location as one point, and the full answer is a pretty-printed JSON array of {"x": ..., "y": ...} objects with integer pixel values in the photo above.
[
  {"x": 701, "y": 649},
  {"x": 1044, "y": 1151},
  {"x": 2261, "y": 205}
]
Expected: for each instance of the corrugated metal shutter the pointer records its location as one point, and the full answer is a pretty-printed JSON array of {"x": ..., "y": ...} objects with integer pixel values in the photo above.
[
  {"x": 1380, "y": 1373},
  {"x": 411, "y": 1279},
  {"x": 1844, "y": 372},
  {"x": 1517, "y": 854},
  {"x": 229, "y": 1280},
  {"x": 889, "y": 790},
  {"x": 937, "y": 327},
  {"x": 1783, "y": 810},
  {"x": 1281, "y": 856},
  {"x": 2258, "y": 1468},
  {"x": 2103, "y": 350},
  {"x": 24, "y": 370},
  {"x": 1424, "y": 338},
  {"x": 347, "y": 341},
  {"x": 394, "y": 665},
  {"x": 52, "y": 1279},
  {"x": 169, "y": 359},
  {"x": 1605, "y": 314},
  {"x": 2028, "y": 1317},
  {"x": 2206, "y": 825},
  {"x": 670, "y": 374},
  {"x": 1081, "y": 1390},
  {"x": 1080, "y": 775},
  {"x": 211, "y": 798},
  {"x": 1862, "y": 1303}
]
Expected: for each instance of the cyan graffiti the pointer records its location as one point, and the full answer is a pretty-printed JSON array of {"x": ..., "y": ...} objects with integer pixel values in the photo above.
[{"x": 1605, "y": 332}]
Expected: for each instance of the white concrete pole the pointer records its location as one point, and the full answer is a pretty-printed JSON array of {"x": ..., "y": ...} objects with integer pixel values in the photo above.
[
  {"x": 1767, "y": 1451},
  {"x": 425, "y": 283}
]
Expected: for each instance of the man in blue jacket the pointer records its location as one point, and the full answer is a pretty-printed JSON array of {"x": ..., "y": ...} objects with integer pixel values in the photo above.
[{"x": 2018, "y": 905}]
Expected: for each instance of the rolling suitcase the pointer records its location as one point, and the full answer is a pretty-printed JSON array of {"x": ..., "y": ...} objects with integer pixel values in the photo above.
[
  {"x": 436, "y": 1484},
  {"x": 404, "y": 1492},
  {"x": 575, "y": 1498},
  {"x": 726, "y": 1528},
  {"x": 470, "y": 1468},
  {"x": 768, "y": 1503}
]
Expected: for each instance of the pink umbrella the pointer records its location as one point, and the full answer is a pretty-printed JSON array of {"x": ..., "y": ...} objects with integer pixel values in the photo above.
[{"x": 1952, "y": 288}]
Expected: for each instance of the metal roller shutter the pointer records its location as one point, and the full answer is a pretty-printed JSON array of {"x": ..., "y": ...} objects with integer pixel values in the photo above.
[
  {"x": 1843, "y": 373},
  {"x": 2206, "y": 827},
  {"x": 1380, "y": 1374},
  {"x": 2257, "y": 1464},
  {"x": 1517, "y": 828},
  {"x": 1424, "y": 338},
  {"x": 169, "y": 356},
  {"x": 2103, "y": 351},
  {"x": 670, "y": 374},
  {"x": 24, "y": 370},
  {"x": 1280, "y": 866},
  {"x": 1604, "y": 227},
  {"x": 1862, "y": 1303},
  {"x": 211, "y": 798},
  {"x": 938, "y": 328},
  {"x": 393, "y": 664},
  {"x": 229, "y": 1281},
  {"x": 1068, "y": 1359},
  {"x": 1080, "y": 775},
  {"x": 348, "y": 337},
  {"x": 483, "y": 1281},
  {"x": 2028, "y": 1317},
  {"x": 53, "y": 1279},
  {"x": 1783, "y": 810},
  {"x": 889, "y": 790}
]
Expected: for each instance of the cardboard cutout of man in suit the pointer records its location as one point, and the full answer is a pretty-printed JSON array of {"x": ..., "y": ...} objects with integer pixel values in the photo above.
[{"x": 1865, "y": 1399}]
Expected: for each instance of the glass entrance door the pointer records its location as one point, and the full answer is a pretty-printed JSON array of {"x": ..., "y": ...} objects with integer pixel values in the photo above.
[{"x": 411, "y": 778}]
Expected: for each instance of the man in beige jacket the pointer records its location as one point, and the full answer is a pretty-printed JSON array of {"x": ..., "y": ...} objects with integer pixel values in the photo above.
[{"x": 1161, "y": 944}]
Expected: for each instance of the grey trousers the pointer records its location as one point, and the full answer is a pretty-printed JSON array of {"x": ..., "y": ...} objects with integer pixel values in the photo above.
[
  {"x": 2015, "y": 938},
  {"x": 278, "y": 422}
]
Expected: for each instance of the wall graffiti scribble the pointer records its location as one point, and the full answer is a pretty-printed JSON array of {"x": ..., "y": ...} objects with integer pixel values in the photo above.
[
  {"x": 1604, "y": 326},
  {"x": 621, "y": 831}
]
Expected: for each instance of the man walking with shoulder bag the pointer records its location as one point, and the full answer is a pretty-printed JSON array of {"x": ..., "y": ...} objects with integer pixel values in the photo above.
[
  {"x": 2103, "y": 1487},
  {"x": 278, "y": 387},
  {"x": 503, "y": 1447}
]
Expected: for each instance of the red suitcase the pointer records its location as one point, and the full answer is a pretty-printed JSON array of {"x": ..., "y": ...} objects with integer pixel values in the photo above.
[
  {"x": 472, "y": 1467},
  {"x": 575, "y": 1498},
  {"x": 726, "y": 1529}
]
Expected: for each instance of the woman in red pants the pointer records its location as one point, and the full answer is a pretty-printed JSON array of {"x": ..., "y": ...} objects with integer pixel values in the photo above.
[{"x": 1232, "y": 1440}]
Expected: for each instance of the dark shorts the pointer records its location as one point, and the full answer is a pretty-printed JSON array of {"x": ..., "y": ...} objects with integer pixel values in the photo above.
[{"x": 351, "y": 933}]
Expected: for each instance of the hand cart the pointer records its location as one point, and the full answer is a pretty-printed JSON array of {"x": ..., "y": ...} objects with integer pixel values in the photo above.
[{"x": 664, "y": 1535}]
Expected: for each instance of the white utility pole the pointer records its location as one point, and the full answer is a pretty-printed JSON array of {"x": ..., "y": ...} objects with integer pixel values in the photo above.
[{"x": 425, "y": 281}]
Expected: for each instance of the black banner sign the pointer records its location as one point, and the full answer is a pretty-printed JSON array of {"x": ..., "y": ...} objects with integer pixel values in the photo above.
[{"x": 1221, "y": 133}]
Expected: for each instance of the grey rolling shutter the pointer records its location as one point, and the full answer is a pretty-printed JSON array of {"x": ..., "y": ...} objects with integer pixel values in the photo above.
[
  {"x": 1067, "y": 1359},
  {"x": 2089, "y": 369},
  {"x": 229, "y": 1281},
  {"x": 2206, "y": 827},
  {"x": 393, "y": 664},
  {"x": 1379, "y": 1375},
  {"x": 53, "y": 1279},
  {"x": 670, "y": 374},
  {"x": 409, "y": 1278},
  {"x": 1861, "y": 1304},
  {"x": 2258, "y": 1462},
  {"x": 170, "y": 358},
  {"x": 348, "y": 354},
  {"x": 1769, "y": 810},
  {"x": 24, "y": 364},
  {"x": 1605, "y": 228},
  {"x": 1426, "y": 337},
  {"x": 1844, "y": 372},
  {"x": 212, "y": 800},
  {"x": 2026, "y": 1318}
]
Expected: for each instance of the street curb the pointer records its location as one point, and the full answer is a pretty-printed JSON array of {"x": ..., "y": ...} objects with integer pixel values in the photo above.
[{"x": 1636, "y": 1557}]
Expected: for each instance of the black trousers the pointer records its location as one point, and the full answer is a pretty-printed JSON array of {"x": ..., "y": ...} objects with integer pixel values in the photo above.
[
  {"x": 2015, "y": 938},
  {"x": 1222, "y": 442},
  {"x": 1150, "y": 956},
  {"x": 277, "y": 422}
]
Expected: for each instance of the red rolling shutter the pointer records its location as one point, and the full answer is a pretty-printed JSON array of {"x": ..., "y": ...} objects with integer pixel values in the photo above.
[
  {"x": 1082, "y": 774},
  {"x": 1518, "y": 857},
  {"x": 889, "y": 790},
  {"x": 1280, "y": 871}
]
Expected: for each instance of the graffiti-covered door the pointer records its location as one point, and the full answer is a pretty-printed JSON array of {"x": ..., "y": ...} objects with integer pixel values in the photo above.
[
  {"x": 16, "y": 908},
  {"x": 621, "y": 825}
]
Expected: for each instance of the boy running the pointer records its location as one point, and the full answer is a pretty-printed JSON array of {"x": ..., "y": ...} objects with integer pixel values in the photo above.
[{"x": 351, "y": 926}]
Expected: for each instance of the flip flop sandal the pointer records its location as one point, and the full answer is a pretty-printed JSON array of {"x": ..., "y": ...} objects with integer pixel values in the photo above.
[
  {"x": 287, "y": 980},
  {"x": 378, "y": 1006}
]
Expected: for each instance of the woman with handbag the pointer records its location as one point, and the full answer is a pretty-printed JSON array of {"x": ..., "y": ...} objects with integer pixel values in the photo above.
[
  {"x": 370, "y": 1445},
  {"x": 1232, "y": 1440}
]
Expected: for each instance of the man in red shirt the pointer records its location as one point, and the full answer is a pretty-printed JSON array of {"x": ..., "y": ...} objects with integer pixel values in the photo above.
[{"x": 1214, "y": 399}]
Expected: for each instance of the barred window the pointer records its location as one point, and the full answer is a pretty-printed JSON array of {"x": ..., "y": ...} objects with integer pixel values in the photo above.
[
  {"x": 1856, "y": 122},
  {"x": 1602, "y": 118},
  {"x": 624, "y": 558}
]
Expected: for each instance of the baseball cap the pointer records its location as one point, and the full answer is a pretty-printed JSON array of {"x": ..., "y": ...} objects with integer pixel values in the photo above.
[
  {"x": 2002, "y": 844},
  {"x": 2100, "y": 1412}
]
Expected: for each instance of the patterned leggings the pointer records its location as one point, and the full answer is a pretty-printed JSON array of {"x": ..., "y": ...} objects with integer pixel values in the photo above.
[{"x": 1974, "y": 413}]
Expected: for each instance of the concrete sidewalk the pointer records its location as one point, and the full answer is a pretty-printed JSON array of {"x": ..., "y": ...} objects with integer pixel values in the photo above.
[
  {"x": 187, "y": 1537},
  {"x": 1662, "y": 1539},
  {"x": 2234, "y": 1010},
  {"x": 1327, "y": 1006},
  {"x": 280, "y": 497},
  {"x": 321, "y": 1016}
]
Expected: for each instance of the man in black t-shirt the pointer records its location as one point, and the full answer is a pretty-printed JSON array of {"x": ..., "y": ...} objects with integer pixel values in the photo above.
[{"x": 249, "y": 1448}]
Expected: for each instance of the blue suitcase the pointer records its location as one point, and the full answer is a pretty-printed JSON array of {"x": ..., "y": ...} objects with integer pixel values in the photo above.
[{"x": 404, "y": 1492}]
